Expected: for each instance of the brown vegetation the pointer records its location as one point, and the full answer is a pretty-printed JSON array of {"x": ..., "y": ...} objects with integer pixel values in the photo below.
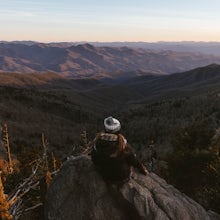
[
  {"x": 27, "y": 188},
  {"x": 4, "y": 205}
]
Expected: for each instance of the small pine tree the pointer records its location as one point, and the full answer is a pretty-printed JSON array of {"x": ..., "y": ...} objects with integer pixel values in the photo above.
[{"x": 194, "y": 165}]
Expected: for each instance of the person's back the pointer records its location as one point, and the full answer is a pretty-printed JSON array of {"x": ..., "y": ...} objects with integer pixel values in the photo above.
[{"x": 112, "y": 155}]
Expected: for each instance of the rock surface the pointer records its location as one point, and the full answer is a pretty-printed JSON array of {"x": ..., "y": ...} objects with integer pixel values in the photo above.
[{"x": 79, "y": 192}]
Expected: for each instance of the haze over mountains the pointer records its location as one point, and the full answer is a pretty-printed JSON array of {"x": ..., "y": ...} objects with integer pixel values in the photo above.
[
  {"x": 180, "y": 46},
  {"x": 97, "y": 62}
]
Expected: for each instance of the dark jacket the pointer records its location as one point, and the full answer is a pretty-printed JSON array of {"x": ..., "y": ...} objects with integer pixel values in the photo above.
[{"x": 112, "y": 167}]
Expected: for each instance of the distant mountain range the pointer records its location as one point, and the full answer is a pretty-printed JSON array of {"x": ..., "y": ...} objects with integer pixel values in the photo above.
[
  {"x": 179, "y": 46},
  {"x": 131, "y": 89},
  {"x": 182, "y": 46},
  {"x": 83, "y": 61}
]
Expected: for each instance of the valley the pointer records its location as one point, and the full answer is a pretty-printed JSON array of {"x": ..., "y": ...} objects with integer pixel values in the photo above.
[
  {"x": 153, "y": 107},
  {"x": 62, "y": 107}
]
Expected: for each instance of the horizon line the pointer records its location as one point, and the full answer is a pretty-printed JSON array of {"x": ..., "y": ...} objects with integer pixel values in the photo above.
[{"x": 84, "y": 41}]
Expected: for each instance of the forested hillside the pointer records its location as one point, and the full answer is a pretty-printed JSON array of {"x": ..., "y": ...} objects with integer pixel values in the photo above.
[{"x": 179, "y": 114}]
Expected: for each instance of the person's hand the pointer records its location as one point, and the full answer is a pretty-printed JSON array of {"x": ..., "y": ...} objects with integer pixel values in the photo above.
[{"x": 143, "y": 169}]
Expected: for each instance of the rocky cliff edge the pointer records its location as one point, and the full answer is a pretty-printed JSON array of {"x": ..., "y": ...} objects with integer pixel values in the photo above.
[{"x": 78, "y": 192}]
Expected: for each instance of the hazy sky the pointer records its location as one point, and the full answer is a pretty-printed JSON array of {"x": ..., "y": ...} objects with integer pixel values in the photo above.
[{"x": 110, "y": 20}]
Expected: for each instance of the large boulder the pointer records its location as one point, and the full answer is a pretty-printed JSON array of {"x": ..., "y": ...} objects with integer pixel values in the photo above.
[{"x": 78, "y": 192}]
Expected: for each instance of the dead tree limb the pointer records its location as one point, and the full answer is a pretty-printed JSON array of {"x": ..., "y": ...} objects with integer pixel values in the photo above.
[{"x": 5, "y": 139}]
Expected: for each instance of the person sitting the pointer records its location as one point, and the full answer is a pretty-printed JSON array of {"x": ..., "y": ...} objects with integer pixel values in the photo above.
[{"x": 112, "y": 155}]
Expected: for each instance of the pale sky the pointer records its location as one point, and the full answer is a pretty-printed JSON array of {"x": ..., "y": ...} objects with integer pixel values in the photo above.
[{"x": 110, "y": 20}]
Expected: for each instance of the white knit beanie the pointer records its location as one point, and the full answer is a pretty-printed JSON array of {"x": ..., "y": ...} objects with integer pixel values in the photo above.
[{"x": 112, "y": 124}]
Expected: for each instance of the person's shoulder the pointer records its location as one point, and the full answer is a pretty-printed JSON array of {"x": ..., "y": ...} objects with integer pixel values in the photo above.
[
  {"x": 98, "y": 135},
  {"x": 122, "y": 137}
]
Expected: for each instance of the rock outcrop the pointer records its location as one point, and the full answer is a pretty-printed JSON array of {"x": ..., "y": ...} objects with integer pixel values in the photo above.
[{"x": 79, "y": 192}]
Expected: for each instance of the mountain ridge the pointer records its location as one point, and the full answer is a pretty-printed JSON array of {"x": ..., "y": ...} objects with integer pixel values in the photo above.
[
  {"x": 212, "y": 47},
  {"x": 143, "y": 82},
  {"x": 83, "y": 61}
]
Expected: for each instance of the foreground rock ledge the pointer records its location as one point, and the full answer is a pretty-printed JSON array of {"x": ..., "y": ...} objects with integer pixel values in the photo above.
[{"x": 78, "y": 192}]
